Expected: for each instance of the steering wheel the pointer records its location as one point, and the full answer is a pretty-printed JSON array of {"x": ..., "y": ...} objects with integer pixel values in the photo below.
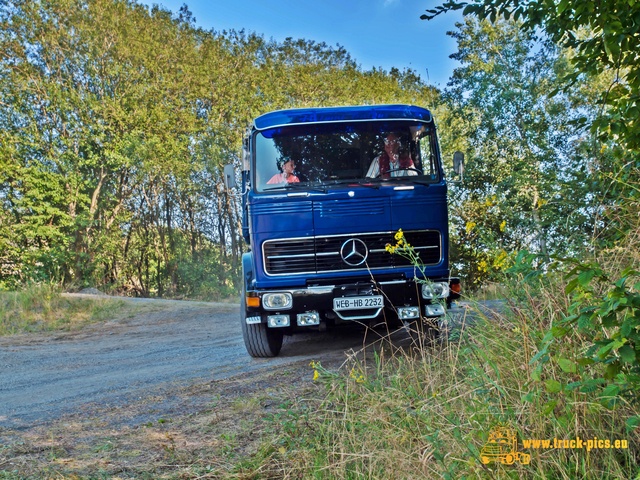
[{"x": 398, "y": 170}]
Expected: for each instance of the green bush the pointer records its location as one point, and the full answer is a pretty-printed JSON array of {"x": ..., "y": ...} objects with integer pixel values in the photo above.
[{"x": 604, "y": 314}]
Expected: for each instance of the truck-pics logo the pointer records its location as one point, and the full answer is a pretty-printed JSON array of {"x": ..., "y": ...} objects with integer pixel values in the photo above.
[{"x": 502, "y": 447}]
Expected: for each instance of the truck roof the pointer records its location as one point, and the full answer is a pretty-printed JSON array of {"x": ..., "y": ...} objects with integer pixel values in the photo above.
[{"x": 298, "y": 116}]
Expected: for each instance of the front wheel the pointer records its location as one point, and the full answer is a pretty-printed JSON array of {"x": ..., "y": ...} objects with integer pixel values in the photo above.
[{"x": 259, "y": 340}]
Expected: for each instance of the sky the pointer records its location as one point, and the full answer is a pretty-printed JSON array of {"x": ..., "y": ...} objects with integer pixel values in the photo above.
[{"x": 376, "y": 33}]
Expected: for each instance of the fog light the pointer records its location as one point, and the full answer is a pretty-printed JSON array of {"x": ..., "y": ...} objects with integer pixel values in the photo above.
[
  {"x": 308, "y": 318},
  {"x": 275, "y": 321},
  {"x": 435, "y": 310},
  {"x": 435, "y": 290},
  {"x": 277, "y": 301},
  {"x": 407, "y": 313}
]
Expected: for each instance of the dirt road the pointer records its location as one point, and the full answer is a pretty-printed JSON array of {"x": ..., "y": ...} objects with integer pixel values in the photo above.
[{"x": 167, "y": 345}]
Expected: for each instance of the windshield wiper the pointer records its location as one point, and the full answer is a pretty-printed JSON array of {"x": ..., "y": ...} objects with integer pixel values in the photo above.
[
  {"x": 421, "y": 181},
  {"x": 363, "y": 182},
  {"x": 296, "y": 186}
]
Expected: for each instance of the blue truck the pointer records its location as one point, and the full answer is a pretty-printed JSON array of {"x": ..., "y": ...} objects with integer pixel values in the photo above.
[{"x": 324, "y": 192}]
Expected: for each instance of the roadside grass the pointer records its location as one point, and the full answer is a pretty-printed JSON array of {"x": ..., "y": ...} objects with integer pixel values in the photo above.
[
  {"x": 428, "y": 412},
  {"x": 218, "y": 440},
  {"x": 424, "y": 411},
  {"x": 42, "y": 308}
]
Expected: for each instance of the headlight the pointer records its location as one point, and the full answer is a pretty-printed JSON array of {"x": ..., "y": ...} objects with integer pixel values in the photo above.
[
  {"x": 277, "y": 301},
  {"x": 435, "y": 290}
]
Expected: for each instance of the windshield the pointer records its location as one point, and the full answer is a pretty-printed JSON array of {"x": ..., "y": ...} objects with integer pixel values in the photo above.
[{"x": 322, "y": 155}]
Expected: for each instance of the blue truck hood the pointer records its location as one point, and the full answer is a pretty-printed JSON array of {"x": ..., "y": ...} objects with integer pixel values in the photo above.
[{"x": 356, "y": 210}]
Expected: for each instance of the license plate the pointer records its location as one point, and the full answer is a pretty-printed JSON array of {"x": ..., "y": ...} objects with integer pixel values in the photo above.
[{"x": 358, "y": 303}]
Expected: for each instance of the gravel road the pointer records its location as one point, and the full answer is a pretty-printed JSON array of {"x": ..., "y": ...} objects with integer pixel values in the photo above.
[{"x": 165, "y": 346}]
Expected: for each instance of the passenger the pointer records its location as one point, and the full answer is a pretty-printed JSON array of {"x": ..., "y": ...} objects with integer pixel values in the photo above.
[
  {"x": 287, "y": 175},
  {"x": 392, "y": 162}
]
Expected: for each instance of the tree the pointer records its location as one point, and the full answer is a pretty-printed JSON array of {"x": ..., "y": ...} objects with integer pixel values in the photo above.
[
  {"x": 520, "y": 190},
  {"x": 602, "y": 41},
  {"x": 600, "y": 289},
  {"x": 602, "y": 35},
  {"x": 115, "y": 123}
]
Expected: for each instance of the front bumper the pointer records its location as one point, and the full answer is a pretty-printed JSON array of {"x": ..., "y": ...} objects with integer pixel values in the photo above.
[{"x": 315, "y": 303}]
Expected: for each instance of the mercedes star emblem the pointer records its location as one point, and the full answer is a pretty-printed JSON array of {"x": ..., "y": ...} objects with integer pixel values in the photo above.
[{"x": 354, "y": 252}]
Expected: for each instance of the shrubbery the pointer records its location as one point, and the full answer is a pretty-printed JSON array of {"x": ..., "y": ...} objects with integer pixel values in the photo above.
[{"x": 559, "y": 362}]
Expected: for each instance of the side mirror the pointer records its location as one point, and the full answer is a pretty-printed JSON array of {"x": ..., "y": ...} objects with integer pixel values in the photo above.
[
  {"x": 458, "y": 163},
  {"x": 229, "y": 177}
]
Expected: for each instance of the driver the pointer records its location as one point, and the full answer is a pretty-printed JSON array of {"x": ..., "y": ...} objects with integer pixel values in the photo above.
[{"x": 392, "y": 162}]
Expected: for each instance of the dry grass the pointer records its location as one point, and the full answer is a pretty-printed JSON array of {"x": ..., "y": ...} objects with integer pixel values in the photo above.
[
  {"x": 390, "y": 412},
  {"x": 208, "y": 435},
  {"x": 427, "y": 414}
]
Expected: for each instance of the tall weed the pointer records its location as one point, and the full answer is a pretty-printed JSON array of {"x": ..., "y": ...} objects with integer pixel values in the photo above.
[{"x": 428, "y": 412}]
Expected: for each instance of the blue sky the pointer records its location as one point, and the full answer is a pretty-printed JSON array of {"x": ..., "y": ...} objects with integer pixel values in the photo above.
[{"x": 376, "y": 33}]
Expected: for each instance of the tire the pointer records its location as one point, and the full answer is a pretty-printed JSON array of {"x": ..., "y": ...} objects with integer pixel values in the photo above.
[{"x": 260, "y": 341}]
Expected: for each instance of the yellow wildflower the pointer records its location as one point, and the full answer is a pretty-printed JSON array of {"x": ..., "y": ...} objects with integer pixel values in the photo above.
[
  {"x": 315, "y": 366},
  {"x": 490, "y": 201},
  {"x": 500, "y": 261},
  {"x": 470, "y": 226},
  {"x": 399, "y": 235},
  {"x": 358, "y": 377},
  {"x": 503, "y": 225}
]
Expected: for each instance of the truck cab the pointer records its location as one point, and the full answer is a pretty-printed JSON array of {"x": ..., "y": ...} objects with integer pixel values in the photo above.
[{"x": 324, "y": 192}]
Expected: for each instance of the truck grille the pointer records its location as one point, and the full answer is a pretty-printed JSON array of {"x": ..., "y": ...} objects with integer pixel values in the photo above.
[{"x": 322, "y": 254}]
